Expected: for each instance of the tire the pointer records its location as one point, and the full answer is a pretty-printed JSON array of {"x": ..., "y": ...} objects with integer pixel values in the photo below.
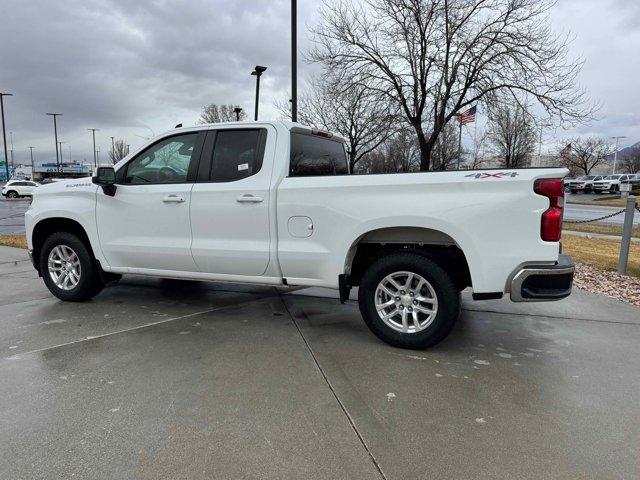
[
  {"x": 12, "y": 194},
  {"x": 431, "y": 328},
  {"x": 573, "y": 192},
  {"x": 74, "y": 260}
]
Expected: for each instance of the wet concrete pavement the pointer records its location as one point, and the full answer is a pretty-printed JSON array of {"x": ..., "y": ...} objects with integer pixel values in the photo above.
[{"x": 163, "y": 379}]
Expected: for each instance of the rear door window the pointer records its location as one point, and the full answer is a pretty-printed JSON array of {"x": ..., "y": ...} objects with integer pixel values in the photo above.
[
  {"x": 237, "y": 154},
  {"x": 313, "y": 155}
]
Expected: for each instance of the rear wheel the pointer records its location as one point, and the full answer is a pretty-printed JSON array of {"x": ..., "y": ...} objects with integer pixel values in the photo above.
[
  {"x": 408, "y": 301},
  {"x": 12, "y": 194},
  {"x": 68, "y": 269}
]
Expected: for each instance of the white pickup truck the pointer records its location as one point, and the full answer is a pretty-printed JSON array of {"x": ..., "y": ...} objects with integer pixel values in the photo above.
[{"x": 273, "y": 203}]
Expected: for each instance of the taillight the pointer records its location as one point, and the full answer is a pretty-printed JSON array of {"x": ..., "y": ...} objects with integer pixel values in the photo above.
[{"x": 551, "y": 223}]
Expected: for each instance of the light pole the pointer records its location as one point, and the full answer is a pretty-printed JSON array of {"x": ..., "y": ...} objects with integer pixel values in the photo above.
[
  {"x": 32, "y": 166},
  {"x": 4, "y": 133},
  {"x": 238, "y": 111},
  {"x": 258, "y": 71},
  {"x": 294, "y": 60},
  {"x": 61, "y": 155},
  {"x": 95, "y": 158},
  {"x": 615, "y": 155},
  {"x": 542, "y": 125},
  {"x": 98, "y": 155},
  {"x": 55, "y": 132},
  {"x": 13, "y": 165}
]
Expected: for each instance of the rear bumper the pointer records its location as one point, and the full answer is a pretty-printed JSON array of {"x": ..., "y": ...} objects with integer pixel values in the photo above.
[{"x": 543, "y": 283}]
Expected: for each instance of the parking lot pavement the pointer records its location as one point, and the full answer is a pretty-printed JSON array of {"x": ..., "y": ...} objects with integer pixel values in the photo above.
[
  {"x": 12, "y": 215},
  {"x": 163, "y": 379}
]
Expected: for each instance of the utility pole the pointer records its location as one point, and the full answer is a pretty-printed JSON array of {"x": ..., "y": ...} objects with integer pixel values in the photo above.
[
  {"x": 95, "y": 157},
  {"x": 55, "y": 132},
  {"x": 294, "y": 60},
  {"x": 4, "y": 133},
  {"x": 113, "y": 150},
  {"x": 257, "y": 72},
  {"x": 615, "y": 155}
]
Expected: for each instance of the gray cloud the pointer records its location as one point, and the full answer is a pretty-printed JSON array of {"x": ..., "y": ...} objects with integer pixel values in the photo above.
[{"x": 132, "y": 67}]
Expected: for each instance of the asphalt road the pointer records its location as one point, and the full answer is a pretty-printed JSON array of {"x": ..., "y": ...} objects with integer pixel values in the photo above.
[
  {"x": 165, "y": 380},
  {"x": 12, "y": 215}
]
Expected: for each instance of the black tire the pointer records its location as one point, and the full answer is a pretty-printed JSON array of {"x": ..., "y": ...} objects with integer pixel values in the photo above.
[
  {"x": 89, "y": 284},
  {"x": 447, "y": 294},
  {"x": 12, "y": 194}
]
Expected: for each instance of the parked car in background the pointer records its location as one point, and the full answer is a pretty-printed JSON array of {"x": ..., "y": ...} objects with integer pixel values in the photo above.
[
  {"x": 19, "y": 188},
  {"x": 566, "y": 181},
  {"x": 611, "y": 183},
  {"x": 273, "y": 203},
  {"x": 584, "y": 184},
  {"x": 634, "y": 181}
]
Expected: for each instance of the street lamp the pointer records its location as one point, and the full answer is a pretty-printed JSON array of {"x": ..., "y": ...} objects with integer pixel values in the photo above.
[
  {"x": 615, "y": 155},
  {"x": 55, "y": 132},
  {"x": 4, "y": 133},
  {"x": 238, "y": 110},
  {"x": 294, "y": 61},
  {"x": 258, "y": 71},
  {"x": 13, "y": 165},
  {"x": 61, "y": 155},
  {"x": 32, "y": 167},
  {"x": 95, "y": 158},
  {"x": 542, "y": 126}
]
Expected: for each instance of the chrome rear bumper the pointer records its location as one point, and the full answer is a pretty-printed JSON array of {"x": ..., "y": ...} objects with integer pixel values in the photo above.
[{"x": 543, "y": 283}]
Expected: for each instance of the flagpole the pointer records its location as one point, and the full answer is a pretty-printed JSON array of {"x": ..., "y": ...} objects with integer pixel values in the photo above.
[{"x": 459, "y": 141}]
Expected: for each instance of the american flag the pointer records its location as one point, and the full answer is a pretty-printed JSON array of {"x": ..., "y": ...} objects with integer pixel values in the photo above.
[
  {"x": 566, "y": 151},
  {"x": 468, "y": 116}
]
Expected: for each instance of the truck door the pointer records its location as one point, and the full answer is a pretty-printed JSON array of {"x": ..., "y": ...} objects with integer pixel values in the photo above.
[
  {"x": 146, "y": 224},
  {"x": 230, "y": 202}
]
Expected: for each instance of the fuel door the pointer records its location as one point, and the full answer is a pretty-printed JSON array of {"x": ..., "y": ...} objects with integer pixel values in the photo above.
[{"x": 300, "y": 227}]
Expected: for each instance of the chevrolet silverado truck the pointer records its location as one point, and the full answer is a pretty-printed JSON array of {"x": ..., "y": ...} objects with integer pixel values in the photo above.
[{"x": 274, "y": 203}]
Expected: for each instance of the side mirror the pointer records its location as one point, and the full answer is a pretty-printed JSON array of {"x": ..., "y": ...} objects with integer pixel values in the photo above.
[{"x": 106, "y": 178}]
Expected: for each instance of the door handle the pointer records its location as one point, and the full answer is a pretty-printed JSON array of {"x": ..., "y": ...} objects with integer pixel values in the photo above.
[
  {"x": 173, "y": 199},
  {"x": 248, "y": 198}
]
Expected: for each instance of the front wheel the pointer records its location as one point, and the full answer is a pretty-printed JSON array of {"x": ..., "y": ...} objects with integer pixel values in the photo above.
[
  {"x": 408, "y": 301},
  {"x": 68, "y": 269},
  {"x": 12, "y": 194}
]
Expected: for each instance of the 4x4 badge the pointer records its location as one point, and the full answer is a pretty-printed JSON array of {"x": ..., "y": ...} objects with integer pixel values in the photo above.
[{"x": 482, "y": 176}]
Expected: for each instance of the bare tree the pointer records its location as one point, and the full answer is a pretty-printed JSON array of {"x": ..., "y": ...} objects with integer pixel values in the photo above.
[
  {"x": 348, "y": 110},
  {"x": 120, "y": 150},
  {"x": 398, "y": 153},
  {"x": 630, "y": 163},
  {"x": 511, "y": 135},
  {"x": 586, "y": 153},
  {"x": 435, "y": 58},
  {"x": 444, "y": 155},
  {"x": 214, "y": 113}
]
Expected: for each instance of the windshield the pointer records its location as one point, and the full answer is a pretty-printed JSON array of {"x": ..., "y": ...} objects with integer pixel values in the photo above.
[
  {"x": 591, "y": 177},
  {"x": 612, "y": 177}
]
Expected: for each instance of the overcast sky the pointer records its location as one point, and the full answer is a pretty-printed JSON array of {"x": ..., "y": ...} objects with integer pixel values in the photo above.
[{"x": 136, "y": 68}]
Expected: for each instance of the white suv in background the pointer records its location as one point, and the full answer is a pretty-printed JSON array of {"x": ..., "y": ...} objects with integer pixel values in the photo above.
[
  {"x": 611, "y": 183},
  {"x": 19, "y": 188}
]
